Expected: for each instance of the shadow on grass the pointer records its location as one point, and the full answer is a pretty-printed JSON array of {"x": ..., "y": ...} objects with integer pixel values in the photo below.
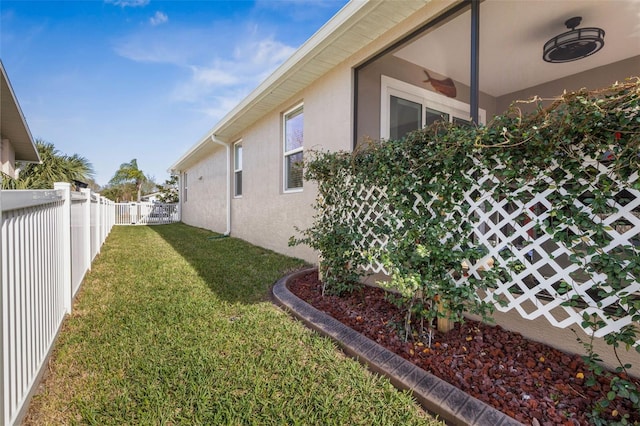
[{"x": 234, "y": 270}]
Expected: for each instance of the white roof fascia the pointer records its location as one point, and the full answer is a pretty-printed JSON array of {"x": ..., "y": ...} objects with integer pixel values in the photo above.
[
  {"x": 301, "y": 56},
  {"x": 347, "y": 18},
  {"x": 14, "y": 126}
]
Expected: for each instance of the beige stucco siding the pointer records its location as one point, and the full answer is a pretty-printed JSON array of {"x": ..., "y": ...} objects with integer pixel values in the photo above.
[
  {"x": 7, "y": 157},
  {"x": 266, "y": 215},
  {"x": 206, "y": 193}
]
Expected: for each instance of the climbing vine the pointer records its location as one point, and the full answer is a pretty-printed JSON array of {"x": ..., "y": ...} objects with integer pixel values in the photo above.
[{"x": 416, "y": 193}]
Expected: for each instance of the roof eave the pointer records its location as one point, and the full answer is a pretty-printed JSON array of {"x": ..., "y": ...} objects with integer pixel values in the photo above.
[
  {"x": 273, "y": 80},
  {"x": 13, "y": 124},
  {"x": 309, "y": 62}
]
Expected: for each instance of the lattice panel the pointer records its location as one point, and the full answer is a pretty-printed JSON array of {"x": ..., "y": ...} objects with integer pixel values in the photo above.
[{"x": 507, "y": 230}]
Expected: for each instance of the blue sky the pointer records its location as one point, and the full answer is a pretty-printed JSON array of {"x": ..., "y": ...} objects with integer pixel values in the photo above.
[{"x": 113, "y": 80}]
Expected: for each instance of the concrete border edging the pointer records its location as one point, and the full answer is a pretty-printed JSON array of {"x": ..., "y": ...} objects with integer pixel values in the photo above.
[{"x": 437, "y": 396}]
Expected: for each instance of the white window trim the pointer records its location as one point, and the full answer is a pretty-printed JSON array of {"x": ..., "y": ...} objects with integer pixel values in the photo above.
[
  {"x": 291, "y": 152},
  {"x": 185, "y": 187},
  {"x": 426, "y": 98},
  {"x": 235, "y": 170}
]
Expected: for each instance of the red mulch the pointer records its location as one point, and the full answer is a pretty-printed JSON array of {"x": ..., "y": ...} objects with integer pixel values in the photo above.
[{"x": 529, "y": 381}]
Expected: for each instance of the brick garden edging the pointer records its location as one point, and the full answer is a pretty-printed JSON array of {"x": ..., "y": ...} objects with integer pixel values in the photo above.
[{"x": 434, "y": 394}]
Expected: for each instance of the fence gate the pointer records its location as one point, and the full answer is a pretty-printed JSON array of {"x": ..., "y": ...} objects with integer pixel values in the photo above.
[{"x": 146, "y": 213}]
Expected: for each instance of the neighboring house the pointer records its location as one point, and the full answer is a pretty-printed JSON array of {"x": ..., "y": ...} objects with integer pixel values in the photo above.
[
  {"x": 151, "y": 198},
  {"x": 364, "y": 75},
  {"x": 15, "y": 137}
]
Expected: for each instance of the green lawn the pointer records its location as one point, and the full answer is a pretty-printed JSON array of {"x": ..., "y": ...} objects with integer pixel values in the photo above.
[{"x": 174, "y": 327}]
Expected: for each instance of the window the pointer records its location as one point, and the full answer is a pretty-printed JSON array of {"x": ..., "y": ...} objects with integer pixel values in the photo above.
[
  {"x": 406, "y": 116},
  {"x": 237, "y": 168},
  {"x": 293, "y": 146},
  {"x": 405, "y": 108},
  {"x": 184, "y": 186}
]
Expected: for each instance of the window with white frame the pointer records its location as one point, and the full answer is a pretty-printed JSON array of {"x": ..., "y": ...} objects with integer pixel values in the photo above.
[
  {"x": 293, "y": 126},
  {"x": 405, "y": 108},
  {"x": 184, "y": 187},
  {"x": 237, "y": 168}
]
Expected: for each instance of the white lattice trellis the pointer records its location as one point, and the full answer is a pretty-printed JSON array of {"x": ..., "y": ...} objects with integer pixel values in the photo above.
[{"x": 507, "y": 230}]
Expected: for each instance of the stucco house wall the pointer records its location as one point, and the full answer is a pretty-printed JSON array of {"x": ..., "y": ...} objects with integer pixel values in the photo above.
[
  {"x": 205, "y": 204},
  {"x": 266, "y": 215},
  {"x": 7, "y": 157}
]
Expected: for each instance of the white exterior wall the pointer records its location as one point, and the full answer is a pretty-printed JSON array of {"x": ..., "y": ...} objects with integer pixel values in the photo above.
[
  {"x": 206, "y": 193},
  {"x": 265, "y": 215},
  {"x": 7, "y": 158}
]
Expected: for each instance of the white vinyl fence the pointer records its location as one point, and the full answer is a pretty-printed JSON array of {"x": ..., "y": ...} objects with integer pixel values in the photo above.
[
  {"x": 146, "y": 213},
  {"x": 48, "y": 239}
]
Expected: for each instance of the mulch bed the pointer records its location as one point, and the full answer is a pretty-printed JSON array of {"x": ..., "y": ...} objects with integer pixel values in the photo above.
[{"x": 529, "y": 381}]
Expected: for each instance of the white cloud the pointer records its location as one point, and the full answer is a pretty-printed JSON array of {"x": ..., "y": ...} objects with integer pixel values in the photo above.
[
  {"x": 213, "y": 76},
  {"x": 158, "y": 18},
  {"x": 264, "y": 53},
  {"x": 204, "y": 82},
  {"x": 217, "y": 107},
  {"x": 251, "y": 62},
  {"x": 217, "y": 71},
  {"x": 156, "y": 53},
  {"x": 161, "y": 45},
  {"x": 128, "y": 3}
]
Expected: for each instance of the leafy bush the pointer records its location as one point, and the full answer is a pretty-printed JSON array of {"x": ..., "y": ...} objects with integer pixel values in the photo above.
[{"x": 427, "y": 250}]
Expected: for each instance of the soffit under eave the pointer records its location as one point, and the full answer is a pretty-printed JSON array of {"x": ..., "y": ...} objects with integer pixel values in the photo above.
[
  {"x": 342, "y": 43},
  {"x": 197, "y": 153},
  {"x": 14, "y": 127}
]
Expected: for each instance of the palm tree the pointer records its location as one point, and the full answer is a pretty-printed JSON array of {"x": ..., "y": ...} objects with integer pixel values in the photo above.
[
  {"x": 129, "y": 173},
  {"x": 54, "y": 167}
]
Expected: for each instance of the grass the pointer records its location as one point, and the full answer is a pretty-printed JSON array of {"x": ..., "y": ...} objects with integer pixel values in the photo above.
[{"x": 172, "y": 327}]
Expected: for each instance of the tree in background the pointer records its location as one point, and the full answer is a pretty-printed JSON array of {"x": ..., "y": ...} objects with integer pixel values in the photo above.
[
  {"x": 93, "y": 185},
  {"x": 149, "y": 186},
  {"x": 169, "y": 190},
  {"x": 115, "y": 193},
  {"x": 55, "y": 167},
  {"x": 129, "y": 179}
]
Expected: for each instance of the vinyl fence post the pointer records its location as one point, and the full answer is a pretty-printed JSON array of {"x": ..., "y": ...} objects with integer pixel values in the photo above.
[
  {"x": 87, "y": 226},
  {"x": 98, "y": 233},
  {"x": 103, "y": 223},
  {"x": 65, "y": 229},
  {"x": 3, "y": 346}
]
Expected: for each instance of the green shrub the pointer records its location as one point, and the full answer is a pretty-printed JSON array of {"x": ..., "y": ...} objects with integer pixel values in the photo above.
[{"x": 426, "y": 251}]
